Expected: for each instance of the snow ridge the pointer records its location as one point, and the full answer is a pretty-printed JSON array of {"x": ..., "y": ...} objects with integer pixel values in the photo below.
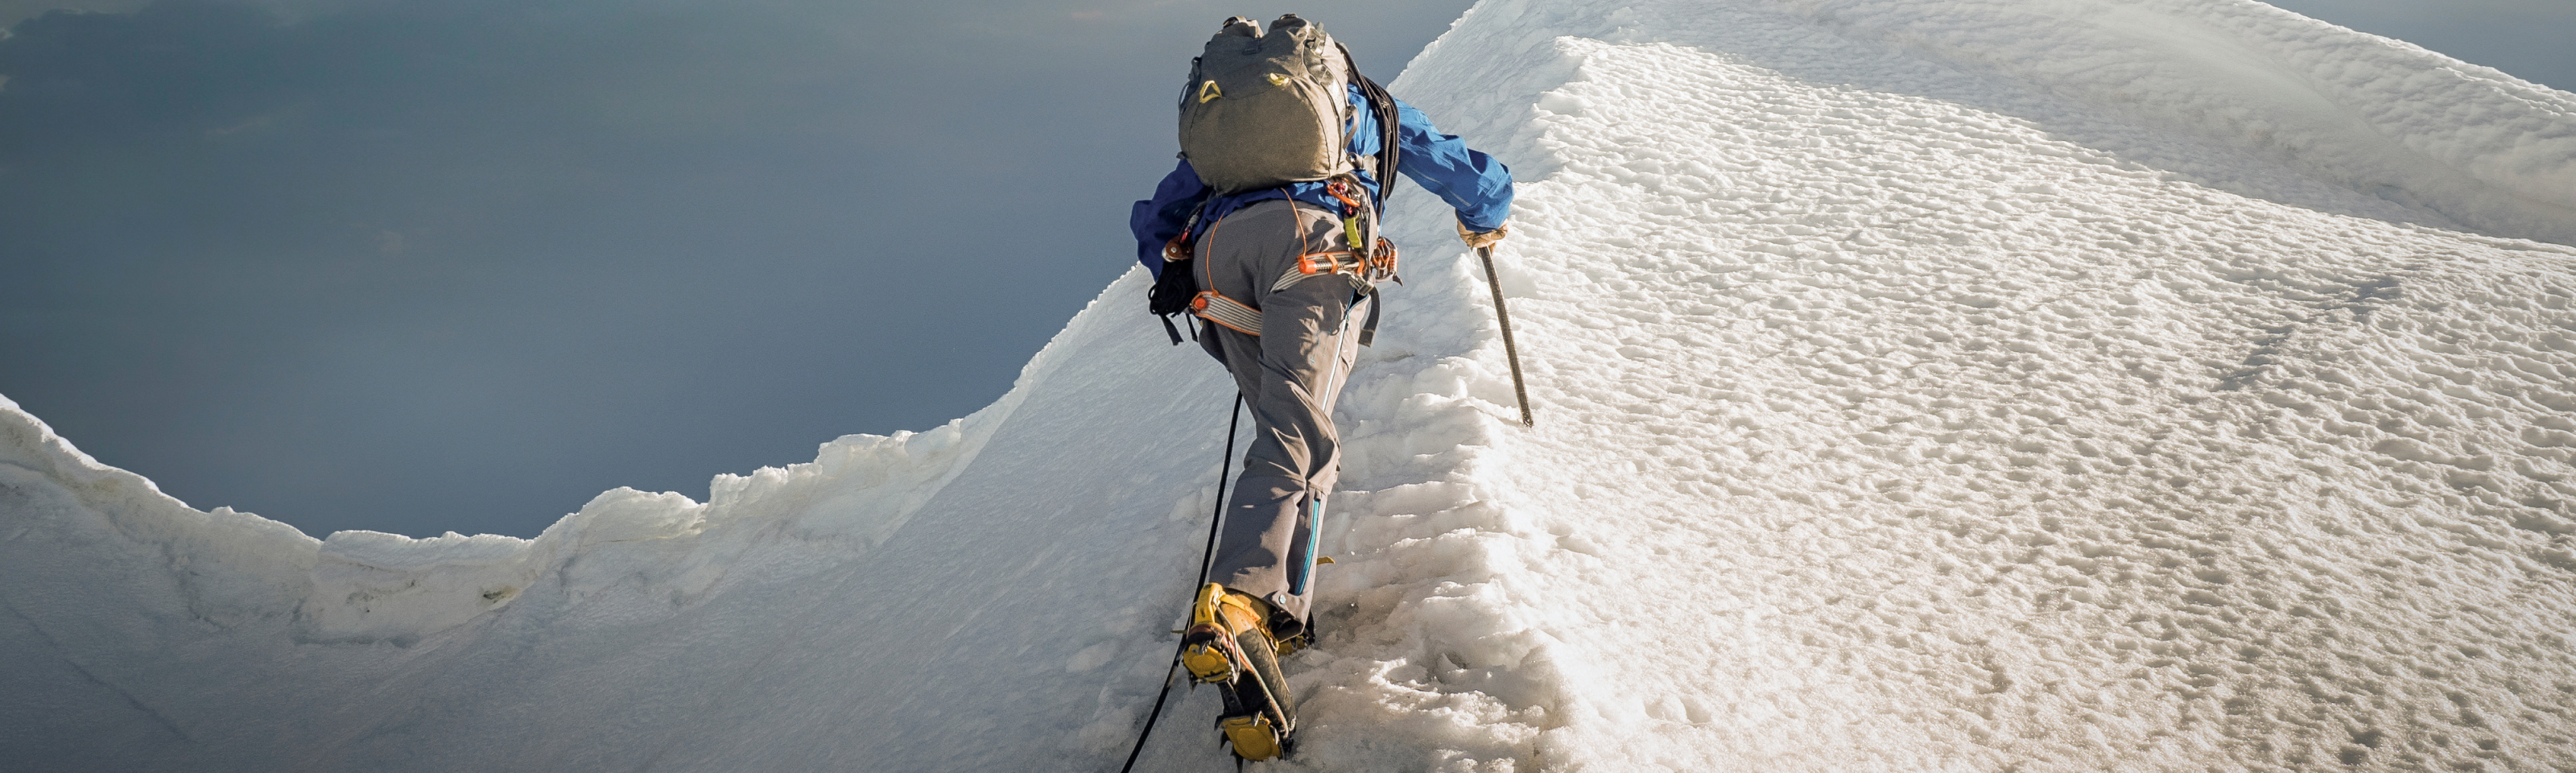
[
  {"x": 1985, "y": 384},
  {"x": 2492, "y": 152},
  {"x": 1911, "y": 412}
]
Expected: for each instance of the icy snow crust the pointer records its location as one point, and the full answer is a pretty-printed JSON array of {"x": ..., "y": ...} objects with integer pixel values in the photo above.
[{"x": 1978, "y": 385}]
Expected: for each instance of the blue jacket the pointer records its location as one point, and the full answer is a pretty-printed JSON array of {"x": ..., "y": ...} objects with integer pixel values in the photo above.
[{"x": 1475, "y": 184}]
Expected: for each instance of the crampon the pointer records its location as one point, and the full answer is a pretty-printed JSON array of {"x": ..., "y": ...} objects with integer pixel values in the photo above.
[{"x": 1228, "y": 644}]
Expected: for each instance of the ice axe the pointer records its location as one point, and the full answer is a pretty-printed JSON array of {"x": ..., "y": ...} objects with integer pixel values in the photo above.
[{"x": 1510, "y": 351}]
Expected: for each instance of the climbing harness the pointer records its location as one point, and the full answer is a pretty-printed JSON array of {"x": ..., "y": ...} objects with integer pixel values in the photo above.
[{"x": 1364, "y": 259}]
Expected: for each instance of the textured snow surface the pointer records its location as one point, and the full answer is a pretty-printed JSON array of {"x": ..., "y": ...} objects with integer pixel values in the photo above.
[{"x": 1972, "y": 385}]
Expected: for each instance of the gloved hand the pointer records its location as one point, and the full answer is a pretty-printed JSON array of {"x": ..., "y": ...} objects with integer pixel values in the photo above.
[{"x": 1482, "y": 239}]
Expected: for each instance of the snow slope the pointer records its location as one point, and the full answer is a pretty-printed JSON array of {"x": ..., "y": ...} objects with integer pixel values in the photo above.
[{"x": 1972, "y": 385}]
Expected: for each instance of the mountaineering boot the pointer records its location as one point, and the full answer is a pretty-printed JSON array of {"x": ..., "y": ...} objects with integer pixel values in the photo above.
[
  {"x": 1228, "y": 644},
  {"x": 1218, "y": 619}
]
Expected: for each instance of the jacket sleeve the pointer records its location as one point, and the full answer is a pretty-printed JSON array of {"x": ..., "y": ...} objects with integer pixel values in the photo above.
[
  {"x": 1156, "y": 220},
  {"x": 1475, "y": 184}
]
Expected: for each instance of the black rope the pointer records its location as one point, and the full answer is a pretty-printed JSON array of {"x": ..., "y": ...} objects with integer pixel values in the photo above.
[
  {"x": 1234, "y": 421},
  {"x": 1224, "y": 468}
]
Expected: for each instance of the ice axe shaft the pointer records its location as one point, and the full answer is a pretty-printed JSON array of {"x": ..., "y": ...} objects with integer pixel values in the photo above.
[{"x": 1511, "y": 351}]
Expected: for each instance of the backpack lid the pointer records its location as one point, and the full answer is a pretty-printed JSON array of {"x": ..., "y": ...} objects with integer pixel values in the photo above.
[{"x": 1267, "y": 109}]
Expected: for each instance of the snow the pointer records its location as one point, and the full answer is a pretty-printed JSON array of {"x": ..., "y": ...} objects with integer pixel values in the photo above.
[{"x": 1974, "y": 385}]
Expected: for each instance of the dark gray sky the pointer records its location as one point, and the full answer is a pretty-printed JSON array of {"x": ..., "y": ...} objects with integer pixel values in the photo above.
[
  {"x": 460, "y": 265},
  {"x": 418, "y": 267}
]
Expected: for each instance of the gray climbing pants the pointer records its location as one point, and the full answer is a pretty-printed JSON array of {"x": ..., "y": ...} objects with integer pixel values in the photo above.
[{"x": 1289, "y": 375}]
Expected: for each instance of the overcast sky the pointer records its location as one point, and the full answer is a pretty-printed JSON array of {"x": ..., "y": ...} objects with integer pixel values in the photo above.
[{"x": 460, "y": 265}]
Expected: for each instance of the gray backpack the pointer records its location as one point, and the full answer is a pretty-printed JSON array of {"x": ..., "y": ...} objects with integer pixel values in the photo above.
[{"x": 1265, "y": 110}]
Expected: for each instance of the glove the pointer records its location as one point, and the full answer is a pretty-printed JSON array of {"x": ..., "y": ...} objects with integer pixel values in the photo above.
[{"x": 1482, "y": 239}]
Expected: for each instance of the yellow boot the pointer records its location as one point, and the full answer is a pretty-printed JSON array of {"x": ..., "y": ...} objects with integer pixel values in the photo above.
[
  {"x": 1218, "y": 620},
  {"x": 1229, "y": 644}
]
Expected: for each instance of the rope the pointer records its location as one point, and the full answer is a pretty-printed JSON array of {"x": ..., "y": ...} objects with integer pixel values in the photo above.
[{"x": 1234, "y": 421}]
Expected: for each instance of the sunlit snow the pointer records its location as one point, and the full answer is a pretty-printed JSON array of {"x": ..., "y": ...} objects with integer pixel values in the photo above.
[{"x": 1972, "y": 385}]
